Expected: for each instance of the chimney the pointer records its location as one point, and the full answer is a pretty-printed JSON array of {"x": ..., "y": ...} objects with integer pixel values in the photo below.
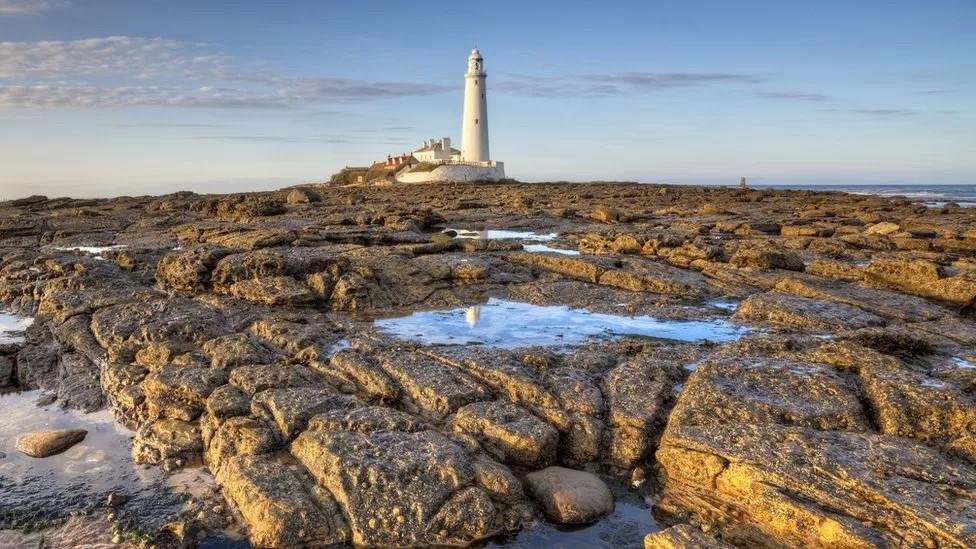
[{"x": 446, "y": 144}]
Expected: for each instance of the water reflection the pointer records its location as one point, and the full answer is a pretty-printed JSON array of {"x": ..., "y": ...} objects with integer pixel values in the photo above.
[
  {"x": 11, "y": 327},
  {"x": 95, "y": 251},
  {"x": 501, "y": 323},
  {"x": 472, "y": 315},
  {"x": 542, "y": 248},
  {"x": 501, "y": 234}
]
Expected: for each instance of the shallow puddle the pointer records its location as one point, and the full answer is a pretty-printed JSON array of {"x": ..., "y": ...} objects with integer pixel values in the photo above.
[
  {"x": 501, "y": 234},
  {"x": 542, "y": 248},
  {"x": 963, "y": 363},
  {"x": 35, "y": 491},
  {"x": 724, "y": 304},
  {"x": 12, "y": 327},
  {"x": 625, "y": 528},
  {"x": 501, "y": 323},
  {"x": 95, "y": 251}
]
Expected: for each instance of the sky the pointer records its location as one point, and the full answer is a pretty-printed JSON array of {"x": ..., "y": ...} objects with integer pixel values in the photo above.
[{"x": 110, "y": 97}]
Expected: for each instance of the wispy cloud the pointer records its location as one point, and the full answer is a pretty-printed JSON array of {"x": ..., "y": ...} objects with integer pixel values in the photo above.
[
  {"x": 131, "y": 56},
  {"x": 611, "y": 84},
  {"x": 166, "y": 125},
  {"x": 658, "y": 80},
  {"x": 29, "y": 7},
  {"x": 327, "y": 139},
  {"x": 793, "y": 96},
  {"x": 884, "y": 112},
  {"x": 161, "y": 72}
]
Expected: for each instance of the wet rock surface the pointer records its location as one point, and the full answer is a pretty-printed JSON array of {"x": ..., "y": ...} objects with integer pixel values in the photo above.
[
  {"x": 774, "y": 368},
  {"x": 47, "y": 443}
]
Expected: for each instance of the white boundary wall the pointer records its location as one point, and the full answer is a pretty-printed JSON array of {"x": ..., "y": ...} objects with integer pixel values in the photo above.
[{"x": 456, "y": 173}]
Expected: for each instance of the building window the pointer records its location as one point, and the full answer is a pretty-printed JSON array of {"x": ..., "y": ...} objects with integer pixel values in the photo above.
[
  {"x": 482, "y": 96},
  {"x": 475, "y": 121}
]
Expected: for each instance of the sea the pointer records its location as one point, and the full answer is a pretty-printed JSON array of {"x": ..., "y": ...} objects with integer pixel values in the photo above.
[{"x": 934, "y": 196}]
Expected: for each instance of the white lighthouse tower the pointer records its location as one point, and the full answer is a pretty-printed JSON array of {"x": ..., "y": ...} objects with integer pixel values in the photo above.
[{"x": 474, "y": 124}]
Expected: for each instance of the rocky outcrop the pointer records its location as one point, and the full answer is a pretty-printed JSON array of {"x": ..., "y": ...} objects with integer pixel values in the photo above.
[{"x": 236, "y": 332}]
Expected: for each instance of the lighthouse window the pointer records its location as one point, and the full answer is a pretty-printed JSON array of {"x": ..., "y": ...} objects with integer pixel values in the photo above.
[{"x": 475, "y": 121}]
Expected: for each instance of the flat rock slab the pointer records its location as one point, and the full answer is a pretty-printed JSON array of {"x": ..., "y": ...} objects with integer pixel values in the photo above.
[
  {"x": 762, "y": 390},
  {"x": 569, "y": 496},
  {"x": 399, "y": 489},
  {"x": 805, "y": 313},
  {"x": 510, "y": 431},
  {"x": 682, "y": 536},
  {"x": 48, "y": 443},
  {"x": 800, "y": 487}
]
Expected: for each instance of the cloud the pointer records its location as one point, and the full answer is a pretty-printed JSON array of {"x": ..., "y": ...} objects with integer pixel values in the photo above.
[
  {"x": 166, "y": 125},
  {"x": 344, "y": 90},
  {"x": 88, "y": 96},
  {"x": 29, "y": 7},
  {"x": 884, "y": 112},
  {"x": 793, "y": 96},
  {"x": 658, "y": 80},
  {"x": 139, "y": 58},
  {"x": 328, "y": 139},
  {"x": 611, "y": 84},
  {"x": 84, "y": 96},
  {"x": 166, "y": 73}
]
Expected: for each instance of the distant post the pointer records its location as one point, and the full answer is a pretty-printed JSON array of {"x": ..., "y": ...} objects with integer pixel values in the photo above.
[{"x": 742, "y": 182}]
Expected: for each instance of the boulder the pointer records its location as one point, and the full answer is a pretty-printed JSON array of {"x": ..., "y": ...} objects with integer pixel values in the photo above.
[
  {"x": 48, "y": 443},
  {"x": 569, "y": 496},
  {"x": 605, "y": 214},
  {"x": 882, "y": 229},
  {"x": 303, "y": 196}
]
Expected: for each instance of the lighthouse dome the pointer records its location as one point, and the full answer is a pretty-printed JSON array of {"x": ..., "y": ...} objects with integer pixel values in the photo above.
[{"x": 475, "y": 53}]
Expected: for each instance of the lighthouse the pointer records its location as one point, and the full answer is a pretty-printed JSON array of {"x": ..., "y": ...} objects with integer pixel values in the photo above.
[
  {"x": 474, "y": 124},
  {"x": 437, "y": 161}
]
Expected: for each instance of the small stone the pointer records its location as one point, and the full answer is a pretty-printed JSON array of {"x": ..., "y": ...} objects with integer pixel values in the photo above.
[
  {"x": 569, "y": 496},
  {"x": 48, "y": 443},
  {"x": 115, "y": 499}
]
